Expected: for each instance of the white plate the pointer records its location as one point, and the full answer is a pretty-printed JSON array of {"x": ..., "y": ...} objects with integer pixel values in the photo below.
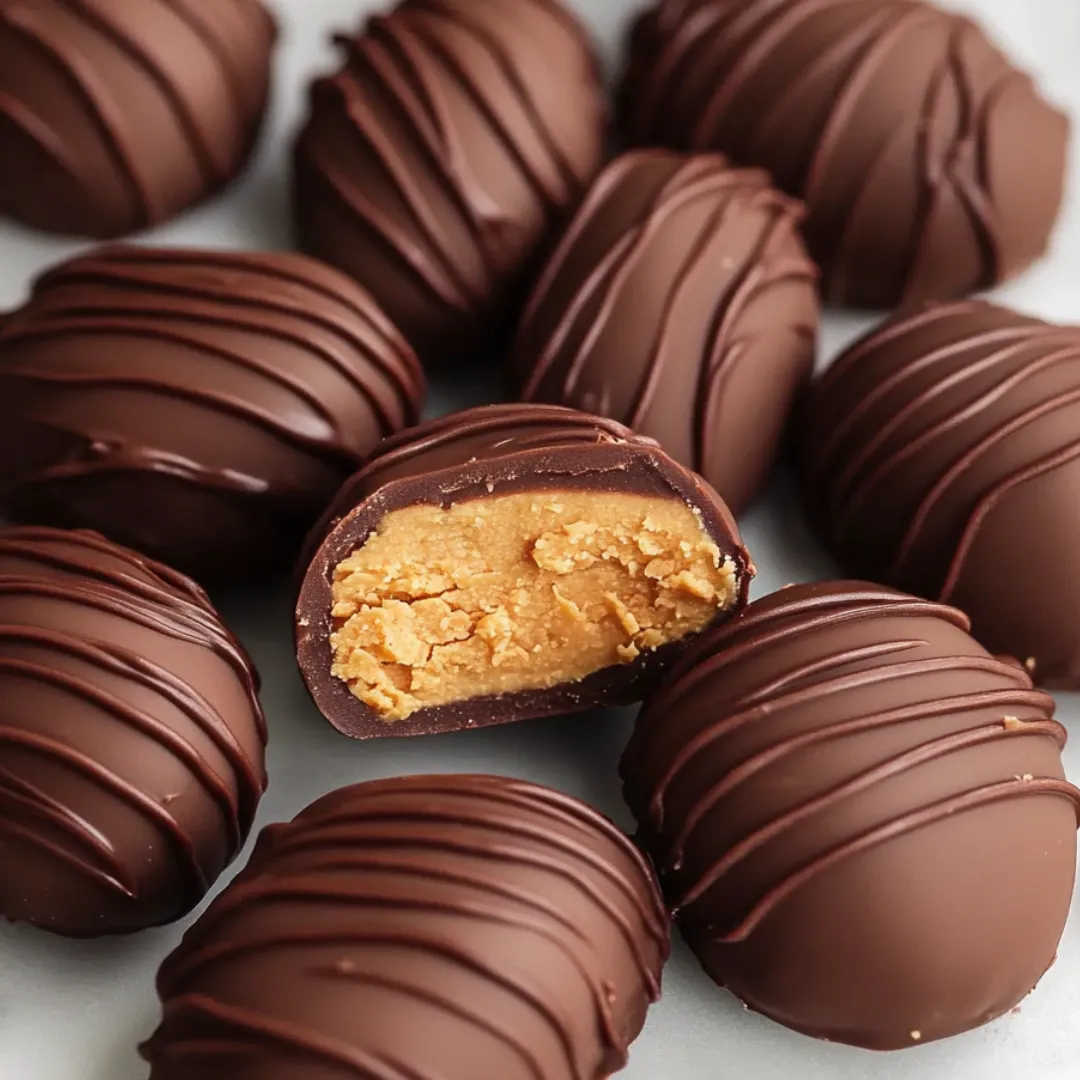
[{"x": 75, "y": 1011}]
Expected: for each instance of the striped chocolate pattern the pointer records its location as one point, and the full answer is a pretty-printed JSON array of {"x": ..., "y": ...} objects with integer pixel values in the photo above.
[
  {"x": 437, "y": 158},
  {"x": 681, "y": 302},
  {"x": 77, "y": 156},
  {"x": 931, "y": 166},
  {"x": 859, "y": 816},
  {"x": 422, "y": 927},
  {"x": 252, "y": 382},
  {"x": 942, "y": 454},
  {"x": 131, "y": 737}
]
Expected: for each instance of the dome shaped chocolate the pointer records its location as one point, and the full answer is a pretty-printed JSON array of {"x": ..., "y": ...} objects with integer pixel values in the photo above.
[
  {"x": 681, "y": 302},
  {"x": 202, "y": 407},
  {"x": 858, "y": 815},
  {"x": 931, "y": 166},
  {"x": 941, "y": 454},
  {"x": 436, "y": 161},
  {"x": 117, "y": 114},
  {"x": 450, "y": 926},
  {"x": 131, "y": 738}
]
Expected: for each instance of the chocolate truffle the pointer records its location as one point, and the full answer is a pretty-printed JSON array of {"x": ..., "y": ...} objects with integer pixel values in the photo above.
[
  {"x": 506, "y": 562},
  {"x": 117, "y": 114},
  {"x": 859, "y": 816},
  {"x": 931, "y": 166},
  {"x": 451, "y": 926},
  {"x": 131, "y": 738},
  {"x": 436, "y": 161},
  {"x": 682, "y": 302},
  {"x": 202, "y": 407},
  {"x": 942, "y": 455}
]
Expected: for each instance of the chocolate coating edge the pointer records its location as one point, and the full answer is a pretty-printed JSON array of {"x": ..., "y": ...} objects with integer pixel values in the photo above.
[{"x": 633, "y": 468}]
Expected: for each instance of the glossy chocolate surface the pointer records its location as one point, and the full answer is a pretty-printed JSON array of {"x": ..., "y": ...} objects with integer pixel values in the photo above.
[
  {"x": 117, "y": 114},
  {"x": 131, "y": 738},
  {"x": 488, "y": 451},
  {"x": 438, "y": 158},
  {"x": 202, "y": 407},
  {"x": 932, "y": 167},
  {"x": 681, "y": 302},
  {"x": 941, "y": 454},
  {"x": 858, "y": 815},
  {"x": 449, "y": 927}
]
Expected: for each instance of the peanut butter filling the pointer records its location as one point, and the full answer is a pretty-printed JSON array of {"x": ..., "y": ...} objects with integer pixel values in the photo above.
[{"x": 519, "y": 592}]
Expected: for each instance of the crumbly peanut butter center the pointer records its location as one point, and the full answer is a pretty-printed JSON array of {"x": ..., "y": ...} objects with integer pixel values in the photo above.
[{"x": 519, "y": 592}]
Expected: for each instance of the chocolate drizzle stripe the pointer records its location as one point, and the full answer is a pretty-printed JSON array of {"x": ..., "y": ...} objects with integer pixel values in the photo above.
[
  {"x": 598, "y": 193},
  {"x": 851, "y": 490},
  {"x": 183, "y": 301},
  {"x": 26, "y": 546},
  {"x": 202, "y": 26},
  {"x": 201, "y": 715},
  {"x": 949, "y": 477},
  {"x": 61, "y": 853},
  {"x": 720, "y": 652},
  {"x": 992, "y": 499},
  {"x": 753, "y": 52},
  {"x": 183, "y": 610},
  {"x": 892, "y": 331},
  {"x": 432, "y": 270},
  {"x": 43, "y": 137},
  {"x": 456, "y": 1009},
  {"x": 265, "y": 1033},
  {"x": 404, "y": 446},
  {"x": 399, "y": 64},
  {"x": 1013, "y": 342},
  {"x": 18, "y": 793},
  {"x": 242, "y": 408},
  {"x": 854, "y": 86},
  {"x": 852, "y": 43},
  {"x": 573, "y": 179},
  {"x": 987, "y": 700},
  {"x": 189, "y": 123},
  {"x": 446, "y": 948},
  {"x": 532, "y": 170},
  {"x": 78, "y": 74},
  {"x": 109, "y": 782},
  {"x": 342, "y": 899},
  {"x": 897, "y": 828},
  {"x": 908, "y": 760},
  {"x": 108, "y": 319},
  {"x": 752, "y": 710},
  {"x": 563, "y": 848},
  {"x": 375, "y": 897}
]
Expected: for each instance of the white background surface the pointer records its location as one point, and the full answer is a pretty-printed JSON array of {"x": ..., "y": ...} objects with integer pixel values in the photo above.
[{"x": 75, "y": 1011}]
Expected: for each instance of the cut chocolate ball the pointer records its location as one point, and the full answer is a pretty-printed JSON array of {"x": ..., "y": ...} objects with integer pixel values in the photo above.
[{"x": 506, "y": 562}]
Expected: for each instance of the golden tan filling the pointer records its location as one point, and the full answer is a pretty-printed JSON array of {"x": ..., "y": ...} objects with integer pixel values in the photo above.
[{"x": 519, "y": 592}]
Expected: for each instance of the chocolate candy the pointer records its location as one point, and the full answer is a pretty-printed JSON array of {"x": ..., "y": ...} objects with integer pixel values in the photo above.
[
  {"x": 131, "y": 738},
  {"x": 932, "y": 167},
  {"x": 942, "y": 455},
  {"x": 438, "y": 158},
  {"x": 506, "y": 562},
  {"x": 117, "y": 114},
  {"x": 450, "y": 926},
  {"x": 858, "y": 815},
  {"x": 682, "y": 302},
  {"x": 202, "y": 407}
]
